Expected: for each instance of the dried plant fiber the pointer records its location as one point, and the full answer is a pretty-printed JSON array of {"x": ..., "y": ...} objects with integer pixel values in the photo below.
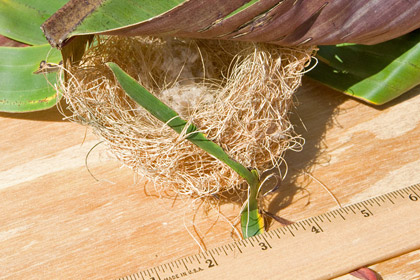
[{"x": 239, "y": 94}]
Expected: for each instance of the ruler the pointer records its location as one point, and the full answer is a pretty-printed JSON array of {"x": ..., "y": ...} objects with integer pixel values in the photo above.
[{"x": 320, "y": 247}]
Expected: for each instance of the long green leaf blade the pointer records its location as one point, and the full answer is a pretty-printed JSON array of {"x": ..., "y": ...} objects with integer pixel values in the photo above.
[
  {"x": 21, "y": 90},
  {"x": 165, "y": 114},
  {"x": 251, "y": 221},
  {"x": 21, "y": 19},
  {"x": 376, "y": 74}
]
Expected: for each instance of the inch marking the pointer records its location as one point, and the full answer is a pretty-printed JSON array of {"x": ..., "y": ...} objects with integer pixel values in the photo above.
[
  {"x": 214, "y": 258},
  {"x": 269, "y": 245}
]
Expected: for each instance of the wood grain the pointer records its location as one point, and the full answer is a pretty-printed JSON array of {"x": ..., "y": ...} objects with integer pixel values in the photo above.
[{"x": 58, "y": 222}]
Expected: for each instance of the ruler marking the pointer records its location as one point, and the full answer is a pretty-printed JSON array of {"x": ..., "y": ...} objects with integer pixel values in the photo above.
[
  {"x": 232, "y": 248},
  {"x": 244, "y": 243},
  {"x": 400, "y": 193},
  {"x": 141, "y": 274},
  {"x": 283, "y": 230},
  {"x": 252, "y": 243},
  {"x": 170, "y": 268},
  {"x": 344, "y": 210},
  {"x": 214, "y": 258},
  {"x": 367, "y": 208},
  {"x": 157, "y": 274},
  {"x": 268, "y": 244},
  {"x": 186, "y": 268},
  {"x": 341, "y": 215},
  {"x": 389, "y": 198},
  {"x": 318, "y": 226},
  {"x": 377, "y": 201},
  {"x": 223, "y": 247},
  {"x": 412, "y": 189},
  {"x": 277, "y": 234},
  {"x": 288, "y": 227},
  {"x": 237, "y": 246}
]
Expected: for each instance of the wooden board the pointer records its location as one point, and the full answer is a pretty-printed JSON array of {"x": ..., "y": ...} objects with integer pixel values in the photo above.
[{"x": 58, "y": 222}]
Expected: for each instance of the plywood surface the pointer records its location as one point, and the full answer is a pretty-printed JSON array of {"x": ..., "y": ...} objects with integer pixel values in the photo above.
[{"x": 58, "y": 222}]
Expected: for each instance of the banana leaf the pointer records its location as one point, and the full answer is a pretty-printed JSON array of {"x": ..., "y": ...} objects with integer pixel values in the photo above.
[
  {"x": 21, "y": 89},
  {"x": 375, "y": 74},
  {"x": 21, "y": 19},
  {"x": 251, "y": 221},
  {"x": 287, "y": 22}
]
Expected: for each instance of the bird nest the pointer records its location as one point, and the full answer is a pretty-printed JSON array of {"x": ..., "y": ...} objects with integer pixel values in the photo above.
[{"x": 237, "y": 93}]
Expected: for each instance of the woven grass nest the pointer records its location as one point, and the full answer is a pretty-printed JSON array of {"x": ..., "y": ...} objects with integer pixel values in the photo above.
[{"x": 239, "y": 94}]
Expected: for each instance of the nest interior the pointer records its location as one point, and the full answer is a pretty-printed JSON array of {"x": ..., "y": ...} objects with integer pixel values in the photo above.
[{"x": 238, "y": 93}]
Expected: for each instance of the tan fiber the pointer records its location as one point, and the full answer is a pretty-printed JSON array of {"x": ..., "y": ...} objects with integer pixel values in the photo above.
[{"x": 239, "y": 94}]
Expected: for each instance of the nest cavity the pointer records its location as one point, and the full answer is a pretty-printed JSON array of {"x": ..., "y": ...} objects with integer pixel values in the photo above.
[{"x": 237, "y": 93}]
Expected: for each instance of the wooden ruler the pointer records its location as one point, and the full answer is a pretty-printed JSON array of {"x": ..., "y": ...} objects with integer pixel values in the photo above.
[{"x": 320, "y": 247}]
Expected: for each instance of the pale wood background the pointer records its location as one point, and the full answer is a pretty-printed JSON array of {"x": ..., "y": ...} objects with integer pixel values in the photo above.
[{"x": 57, "y": 222}]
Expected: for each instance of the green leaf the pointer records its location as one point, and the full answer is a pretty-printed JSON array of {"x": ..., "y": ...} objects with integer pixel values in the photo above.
[
  {"x": 21, "y": 19},
  {"x": 376, "y": 74},
  {"x": 115, "y": 14},
  {"x": 251, "y": 221},
  {"x": 21, "y": 90},
  {"x": 165, "y": 114}
]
